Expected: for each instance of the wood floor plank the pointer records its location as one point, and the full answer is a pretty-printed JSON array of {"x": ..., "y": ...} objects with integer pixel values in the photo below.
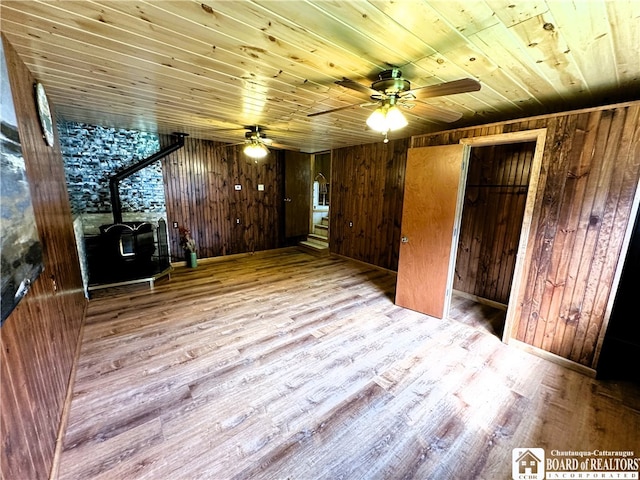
[{"x": 283, "y": 365}]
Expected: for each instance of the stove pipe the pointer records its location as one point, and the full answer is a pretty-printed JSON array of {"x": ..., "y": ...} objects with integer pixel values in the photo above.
[{"x": 114, "y": 180}]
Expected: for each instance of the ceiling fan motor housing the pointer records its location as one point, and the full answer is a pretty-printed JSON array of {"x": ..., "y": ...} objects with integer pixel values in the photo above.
[
  {"x": 254, "y": 134},
  {"x": 391, "y": 82}
]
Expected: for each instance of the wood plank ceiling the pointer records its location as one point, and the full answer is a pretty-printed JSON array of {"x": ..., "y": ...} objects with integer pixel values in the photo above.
[{"x": 209, "y": 69}]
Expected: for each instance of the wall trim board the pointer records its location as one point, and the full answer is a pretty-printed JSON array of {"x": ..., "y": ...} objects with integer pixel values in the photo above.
[
  {"x": 362, "y": 262},
  {"x": 552, "y": 357},
  {"x": 527, "y": 119},
  {"x": 534, "y": 135},
  {"x": 66, "y": 406},
  {"x": 234, "y": 256},
  {"x": 484, "y": 301}
]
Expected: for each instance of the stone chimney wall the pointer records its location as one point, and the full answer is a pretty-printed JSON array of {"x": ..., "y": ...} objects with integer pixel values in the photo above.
[{"x": 93, "y": 153}]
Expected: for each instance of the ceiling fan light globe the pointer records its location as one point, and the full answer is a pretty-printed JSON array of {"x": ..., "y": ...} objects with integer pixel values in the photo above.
[
  {"x": 256, "y": 150},
  {"x": 378, "y": 121},
  {"x": 395, "y": 119}
]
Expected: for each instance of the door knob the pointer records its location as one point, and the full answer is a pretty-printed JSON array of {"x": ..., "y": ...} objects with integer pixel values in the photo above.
[{"x": 405, "y": 239}]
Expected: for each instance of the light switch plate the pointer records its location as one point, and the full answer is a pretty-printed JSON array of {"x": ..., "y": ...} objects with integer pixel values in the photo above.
[
  {"x": 261, "y": 187},
  {"x": 238, "y": 187}
]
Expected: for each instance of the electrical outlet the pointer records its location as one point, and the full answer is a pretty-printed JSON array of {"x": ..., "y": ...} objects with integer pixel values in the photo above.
[
  {"x": 350, "y": 224},
  {"x": 238, "y": 187},
  {"x": 175, "y": 224},
  {"x": 238, "y": 221},
  {"x": 261, "y": 187}
]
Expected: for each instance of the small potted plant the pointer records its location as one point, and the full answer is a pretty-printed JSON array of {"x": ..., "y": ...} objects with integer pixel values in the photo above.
[{"x": 188, "y": 244}]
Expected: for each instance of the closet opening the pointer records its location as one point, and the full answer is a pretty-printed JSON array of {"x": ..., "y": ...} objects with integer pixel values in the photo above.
[
  {"x": 493, "y": 209},
  {"x": 493, "y": 247}
]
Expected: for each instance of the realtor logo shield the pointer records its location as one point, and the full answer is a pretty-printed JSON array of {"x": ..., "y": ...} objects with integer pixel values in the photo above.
[{"x": 527, "y": 463}]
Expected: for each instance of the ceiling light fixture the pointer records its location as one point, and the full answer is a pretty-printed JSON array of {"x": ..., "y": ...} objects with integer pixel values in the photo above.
[
  {"x": 256, "y": 149},
  {"x": 387, "y": 117}
]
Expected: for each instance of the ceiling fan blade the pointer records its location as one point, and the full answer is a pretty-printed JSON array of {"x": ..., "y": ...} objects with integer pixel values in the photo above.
[
  {"x": 281, "y": 146},
  {"x": 358, "y": 87},
  {"x": 448, "y": 88},
  {"x": 227, "y": 145},
  {"x": 219, "y": 130},
  {"x": 437, "y": 113},
  {"x": 337, "y": 109}
]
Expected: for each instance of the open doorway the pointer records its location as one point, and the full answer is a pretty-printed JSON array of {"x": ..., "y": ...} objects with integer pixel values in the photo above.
[
  {"x": 321, "y": 174},
  {"x": 435, "y": 187},
  {"x": 492, "y": 214}
]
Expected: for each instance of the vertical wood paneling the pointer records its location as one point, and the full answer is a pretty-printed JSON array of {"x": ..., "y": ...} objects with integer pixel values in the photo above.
[
  {"x": 367, "y": 186},
  {"x": 200, "y": 194},
  {"x": 589, "y": 175},
  {"x": 583, "y": 257},
  {"x": 568, "y": 251},
  {"x": 609, "y": 190},
  {"x": 39, "y": 339}
]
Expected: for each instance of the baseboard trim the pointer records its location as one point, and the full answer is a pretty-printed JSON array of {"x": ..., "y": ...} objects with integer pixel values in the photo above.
[
  {"x": 222, "y": 258},
  {"x": 484, "y": 301},
  {"x": 552, "y": 357},
  {"x": 365, "y": 263},
  {"x": 66, "y": 406}
]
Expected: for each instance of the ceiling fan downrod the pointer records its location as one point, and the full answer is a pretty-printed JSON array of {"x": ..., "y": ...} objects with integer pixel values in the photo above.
[{"x": 391, "y": 82}]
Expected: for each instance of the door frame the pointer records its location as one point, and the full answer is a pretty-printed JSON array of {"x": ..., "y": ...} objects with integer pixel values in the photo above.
[
  {"x": 312, "y": 180},
  {"x": 523, "y": 254}
]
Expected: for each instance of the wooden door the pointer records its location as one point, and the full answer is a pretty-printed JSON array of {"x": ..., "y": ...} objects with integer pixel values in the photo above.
[
  {"x": 428, "y": 219},
  {"x": 297, "y": 188}
]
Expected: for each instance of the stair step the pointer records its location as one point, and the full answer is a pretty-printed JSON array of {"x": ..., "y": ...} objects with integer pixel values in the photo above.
[
  {"x": 314, "y": 246},
  {"x": 319, "y": 238},
  {"x": 324, "y": 221},
  {"x": 315, "y": 243},
  {"x": 321, "y": 226}
]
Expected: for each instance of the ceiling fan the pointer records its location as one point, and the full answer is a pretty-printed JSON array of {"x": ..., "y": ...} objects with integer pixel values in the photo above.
[
  {"x": 391, "y": 90},
  {"x": 256, "y": 142}
]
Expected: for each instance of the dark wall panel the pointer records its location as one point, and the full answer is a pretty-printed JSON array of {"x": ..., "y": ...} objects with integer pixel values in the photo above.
[
  {"x": 200, "y": 194},
  {"x": 367, "y": 187},
  {"x": 39, "y": 339}
]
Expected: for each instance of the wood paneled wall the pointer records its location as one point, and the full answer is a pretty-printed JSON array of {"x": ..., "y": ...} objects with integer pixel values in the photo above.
[
  {"x": 200, "y": 194},
  {"x": 367, "y": 187},
  {"x": 493, "y": 210},
  {"x": 39, "y": 339},
  {"x": 589, "y": 176}
]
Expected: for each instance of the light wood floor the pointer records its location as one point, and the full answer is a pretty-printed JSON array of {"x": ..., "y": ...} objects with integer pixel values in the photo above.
[{"x": 288, "y": 366}]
